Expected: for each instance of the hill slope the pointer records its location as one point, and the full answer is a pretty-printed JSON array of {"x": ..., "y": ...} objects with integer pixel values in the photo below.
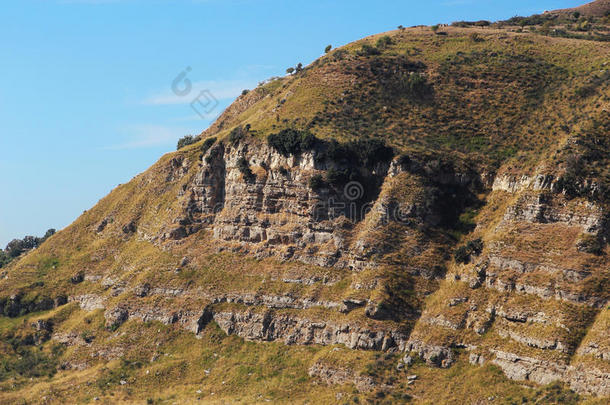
[
  {"x": 597, "y": 8},
  {"x": 416, "y": 202}
]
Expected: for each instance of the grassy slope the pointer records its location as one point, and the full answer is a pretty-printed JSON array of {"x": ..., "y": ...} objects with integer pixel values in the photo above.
[
  {"x": 507, "y": 102},
  {"x": 220, "y": 369}
]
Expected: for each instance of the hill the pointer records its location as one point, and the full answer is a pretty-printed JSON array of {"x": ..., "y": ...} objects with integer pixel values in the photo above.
[
  {"x": 423, "y": 205},
  {"x": 597, "y": 8}
]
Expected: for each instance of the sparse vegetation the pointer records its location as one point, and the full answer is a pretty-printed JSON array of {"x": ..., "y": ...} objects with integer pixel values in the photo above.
[
  {"x": 238, "y": 134},
  {"x": 593, "y": 244},
  {"x": 384, "y": 42},
  {"x": 475, "y": 37},
  {"x": 207, "y": 144},
  {"x": 17, "y": 247},
  {"x": 316, "y": 182},
  {"x": 27, "y": 361},
  {"x": 463, "y": 253},
  {"x": 368, "y": 50},
  {"x": 244, "y": 168},
  {"x": 458, "y": 112},
  {"x": 292, "y": 141},
  {"x": 186, "y": 140}
]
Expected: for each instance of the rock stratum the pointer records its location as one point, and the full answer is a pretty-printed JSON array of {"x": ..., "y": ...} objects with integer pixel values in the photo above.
[{"x": 441, "y": 197}]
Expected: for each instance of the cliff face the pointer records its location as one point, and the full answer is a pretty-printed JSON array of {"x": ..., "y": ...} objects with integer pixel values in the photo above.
[
  {"x": 531, "y": 301},
  {"x": 457, "y": 245}
]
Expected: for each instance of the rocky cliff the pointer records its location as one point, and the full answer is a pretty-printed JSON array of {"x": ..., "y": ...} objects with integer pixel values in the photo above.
[{"x": 434, "y": 200}]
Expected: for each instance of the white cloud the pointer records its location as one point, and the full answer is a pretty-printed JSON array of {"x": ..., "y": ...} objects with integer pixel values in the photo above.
[{"x": 147, "y": 136}]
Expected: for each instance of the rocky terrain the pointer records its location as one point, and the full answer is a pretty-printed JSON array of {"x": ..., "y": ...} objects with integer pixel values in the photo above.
[{"x": 416, "y": 200}]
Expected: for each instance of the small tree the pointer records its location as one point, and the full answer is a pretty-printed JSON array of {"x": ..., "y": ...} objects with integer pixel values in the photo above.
[
  {"x": 207, "y": 144},
  {"x": 186, "y": 140},
  {"x": 368, "y": 50},
  {"x": 290, "y": 70},
  {"x": 328, "y": 48},
  {"x": 48, "y": 234},
  {"x": 316, "y": 182},
  {"x": 4, "y": 258},
  {"x": 244, "y": 168},
  {"x": 462, "y": 255},
  {"x": 237, "y": 134},
  {"x": 384, "y": 42},
  {"x": 291, "y": 141},
  {"x": 298, "y": 68},
  {"x": 434, "y": 28},
  {"x": 400, "y": 27}
]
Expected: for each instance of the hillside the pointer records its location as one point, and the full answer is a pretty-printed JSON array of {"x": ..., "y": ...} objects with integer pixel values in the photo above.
[
  {"x": 419, "y": 216},
  {"x": 597, "y": 8}
]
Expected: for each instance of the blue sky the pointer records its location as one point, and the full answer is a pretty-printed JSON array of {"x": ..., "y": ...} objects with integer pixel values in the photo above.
[{"x": 86, "y": 98}]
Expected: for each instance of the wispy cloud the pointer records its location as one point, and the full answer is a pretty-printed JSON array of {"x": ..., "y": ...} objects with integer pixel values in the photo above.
[
  {"x": 220, "y": 89},
  {"x": 148, "y": 136}
]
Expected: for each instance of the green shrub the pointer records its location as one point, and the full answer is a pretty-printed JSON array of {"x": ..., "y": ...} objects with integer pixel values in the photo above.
[
  {"x": 384, "y": 42},
  {"x": 371, "y": 151},
  {"x": 292, "y": 141},
  {"x": 328, "y": 48},
  {"x": 475, "y": 246},
  {"x": 585, "y": 91},
  {"x": 316, "y": 182},
  {"x": 212, "y": 155},
  {"x": 368, "y": 50},
  {"x": 416, "y": 84},
  {"x": 18, "y": 246},
  {"x": 462, "y": 24},
  {"x": 463, "y": 253},
  {"x": 244, "y": 168},
  {"x": 237, "y": 135},
  {"x": 339, "y": 54},
  {"x": 338, "y": 152},
  {"x": 336, "y": 177},
  {"x": 186, "y": 140},
  {"x": 404, "y": 160},
  {"x": 30, "y": 363},
  {"x": 207, "y": 144},
  {"x": 4, "y": 258},
  {"x": 361, "y": 152}
]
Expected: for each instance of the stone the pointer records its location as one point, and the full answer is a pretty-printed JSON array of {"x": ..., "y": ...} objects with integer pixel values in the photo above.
[{"x": 115, "y": 317}]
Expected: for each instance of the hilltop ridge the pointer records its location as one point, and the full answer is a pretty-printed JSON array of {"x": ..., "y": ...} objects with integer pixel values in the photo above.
[
  {"x": 423, "y": 205},
  {"x": 597, "y": 8}
]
